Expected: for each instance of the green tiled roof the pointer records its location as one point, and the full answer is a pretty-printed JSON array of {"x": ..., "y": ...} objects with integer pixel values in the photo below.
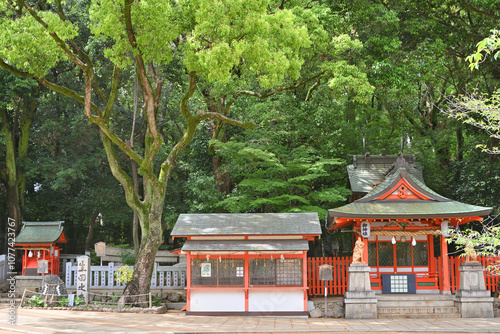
[
  {"x": 40, "y": 232},
  {"x": 436, "y": 206},
  {"x": 408, "y": 209},
  {"x": 247, "y": 224},
  {"x": 366, "y": 172}
]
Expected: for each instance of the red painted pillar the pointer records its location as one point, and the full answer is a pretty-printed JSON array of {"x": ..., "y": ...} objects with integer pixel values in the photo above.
[
  {"x": 188, "y": 282},
  {"x": 304, "y": 278},
  {"x": 246, "y": 278},
  {"x": 365, "y": 251},
  {"x": 445, "y": 266}
]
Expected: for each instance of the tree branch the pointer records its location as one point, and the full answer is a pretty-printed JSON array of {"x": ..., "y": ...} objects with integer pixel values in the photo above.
[{"x": 122, "y": 177}]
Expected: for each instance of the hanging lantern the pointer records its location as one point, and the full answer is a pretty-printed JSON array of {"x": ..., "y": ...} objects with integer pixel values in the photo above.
[
  {"x": 365, "y": 229},
  {"x": 413, "y": 242},
  {"x": 393, "y": 240},
  {"x": 30, "y": 254},
  {"x": 445, "y": 225}
]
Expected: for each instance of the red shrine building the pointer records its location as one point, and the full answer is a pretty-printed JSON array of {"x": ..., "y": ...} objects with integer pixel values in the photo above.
[
  {"x": 400, "y": 221},
  {"x": 247, "y": 263},
  {"x": 40, "y": 242}
]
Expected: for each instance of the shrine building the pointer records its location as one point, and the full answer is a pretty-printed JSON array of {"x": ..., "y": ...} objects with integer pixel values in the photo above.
[
  {"x": 247, "y": 264},
  {"x": 401, "y": 221},
  {"x": 40, "y": 242}
]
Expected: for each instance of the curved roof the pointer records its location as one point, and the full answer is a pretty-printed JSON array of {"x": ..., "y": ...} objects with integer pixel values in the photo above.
[
  {"x": 41, "y": 233},
  {"x": 383, "y": 202}
]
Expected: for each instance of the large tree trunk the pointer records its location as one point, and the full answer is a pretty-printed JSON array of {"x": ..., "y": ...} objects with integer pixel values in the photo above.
[
  {"x": 136, "y": 291},
  {"x": 88, "y": 239}
]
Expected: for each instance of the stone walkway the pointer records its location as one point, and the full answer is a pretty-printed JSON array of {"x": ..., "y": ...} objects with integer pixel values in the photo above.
[{"x": 58, "y": 321}]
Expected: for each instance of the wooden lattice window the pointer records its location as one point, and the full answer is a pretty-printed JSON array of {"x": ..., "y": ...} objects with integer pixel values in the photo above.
[
  {"x": 420, "y": 254},
  {"x": 276, "y": 272},
  {"x": 224, "y": 272}
]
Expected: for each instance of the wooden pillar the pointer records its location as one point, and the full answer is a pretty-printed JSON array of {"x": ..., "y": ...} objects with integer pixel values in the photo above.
[
  {"x": 246, "y": 279},
  {"x": 188, "y": 282},
  {"x": 365, "y": 251},
  {"x": 304, "y": 278},
  {"x": 430, "y": 249},
  {"x": 445, "y": 266}
]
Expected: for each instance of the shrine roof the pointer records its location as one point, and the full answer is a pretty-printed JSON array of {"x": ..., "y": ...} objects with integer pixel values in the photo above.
[
  {"x": 380, "y": 203},
  {"x": 41, "y": 233},
  {"x": 367, "y": 171},
  {"x": 246, "y": 245},
  {"x": 247, "y": 224}
]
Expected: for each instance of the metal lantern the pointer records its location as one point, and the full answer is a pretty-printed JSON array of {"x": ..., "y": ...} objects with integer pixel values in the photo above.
[
  {"x": 445, "y": 225},
  {"x": 326, "y": 274}
]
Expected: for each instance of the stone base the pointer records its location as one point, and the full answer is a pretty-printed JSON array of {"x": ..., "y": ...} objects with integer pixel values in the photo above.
[
  {"x": 475, "y": 307},
  {"x": 360, "y": 302},
  {"x": 472, "y": 299},
  {"x": 31, "y": 283},
  {"x": 361, "y": 308}
]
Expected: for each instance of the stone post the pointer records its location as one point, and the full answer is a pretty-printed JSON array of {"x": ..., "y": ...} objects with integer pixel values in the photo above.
[
  {"x": 360, "y": 301},
  {"x": 473, "y": 300},
  {"x": 83, "y": 277}
]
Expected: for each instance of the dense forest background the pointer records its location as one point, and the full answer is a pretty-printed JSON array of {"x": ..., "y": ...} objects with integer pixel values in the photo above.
[{"x": 403, "y": 64}]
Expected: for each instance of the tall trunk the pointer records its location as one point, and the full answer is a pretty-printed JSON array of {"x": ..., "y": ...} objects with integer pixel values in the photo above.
[
  {"x": 135, "y": 221},
  {"x": 90, "y": 233},
  {"x": 136, "y": 291}
]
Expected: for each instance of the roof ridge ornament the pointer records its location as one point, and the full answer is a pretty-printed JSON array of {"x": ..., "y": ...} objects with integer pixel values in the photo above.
[{"x": 400, "y": 162}]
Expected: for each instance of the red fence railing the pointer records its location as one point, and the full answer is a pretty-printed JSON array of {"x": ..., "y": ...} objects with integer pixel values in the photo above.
[
  {"x": 490, "y": 278},
  {"x": 339, "y": 284},
  {"x": 340, "y": 275}
]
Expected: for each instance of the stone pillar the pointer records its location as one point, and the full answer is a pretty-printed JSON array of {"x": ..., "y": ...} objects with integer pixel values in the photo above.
[
  {"x": 360, "y": 301},
  {"x": 83, "y": 277},
  {"x": 473, "y": 300}
]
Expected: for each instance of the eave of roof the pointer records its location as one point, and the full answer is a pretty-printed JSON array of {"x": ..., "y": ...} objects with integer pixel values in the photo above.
[
  {"x": 371, "y": 207},
  {"x": 245, "y": 245}
]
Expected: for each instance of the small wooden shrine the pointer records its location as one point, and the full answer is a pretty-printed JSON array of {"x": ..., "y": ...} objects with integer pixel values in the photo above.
[
  {"x": 248, "y": 264},
  {"x": 40, "y": 242},
  {"x": 401, "y": 222}
]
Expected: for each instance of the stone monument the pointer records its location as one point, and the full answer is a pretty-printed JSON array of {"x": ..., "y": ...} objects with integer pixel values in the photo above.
[
  {"x": 83, "y": 277},
  {"x": 360, "y": 301},
  {"x": 472, "y": 299},
  {"x": 53, "y": 288}
]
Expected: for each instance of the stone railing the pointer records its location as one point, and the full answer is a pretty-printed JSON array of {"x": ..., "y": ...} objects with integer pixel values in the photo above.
[{"x": 103, "y": 277}]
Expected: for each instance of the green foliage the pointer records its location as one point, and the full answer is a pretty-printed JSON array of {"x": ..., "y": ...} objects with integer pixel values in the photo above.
[
  {"x": 37, "y": 301},
  {"x": 124, "y": 274},
  {"x": 63, "y": 302},
  {"x": 157, "y": 301},
  {"x": 485, "y": 242},
  {"x": 127, "y": 257},
  {"x": 78, "y": 301}
]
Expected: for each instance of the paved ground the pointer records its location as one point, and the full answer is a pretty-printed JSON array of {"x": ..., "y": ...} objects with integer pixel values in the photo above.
[{"x": 45, "y": 321}]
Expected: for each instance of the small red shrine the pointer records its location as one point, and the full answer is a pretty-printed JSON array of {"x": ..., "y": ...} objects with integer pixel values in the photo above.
[
  {"x": 40, "y": 241},
  {"x": 247, "y": 263},
  {"x": 401, "y": 221}
]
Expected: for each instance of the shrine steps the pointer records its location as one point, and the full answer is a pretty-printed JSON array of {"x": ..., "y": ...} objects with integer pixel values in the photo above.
[{"x": 416, "y": 306}]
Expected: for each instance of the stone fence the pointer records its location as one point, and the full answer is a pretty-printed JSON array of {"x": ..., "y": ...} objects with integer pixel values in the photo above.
[{"x": 103, "y": 277}]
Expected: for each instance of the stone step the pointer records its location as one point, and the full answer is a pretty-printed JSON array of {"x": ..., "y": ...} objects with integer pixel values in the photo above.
[
  {"x": 415, "y": 303},
  {"x": 418, "y": 315},
  {"x": 417, "y": 310}
]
